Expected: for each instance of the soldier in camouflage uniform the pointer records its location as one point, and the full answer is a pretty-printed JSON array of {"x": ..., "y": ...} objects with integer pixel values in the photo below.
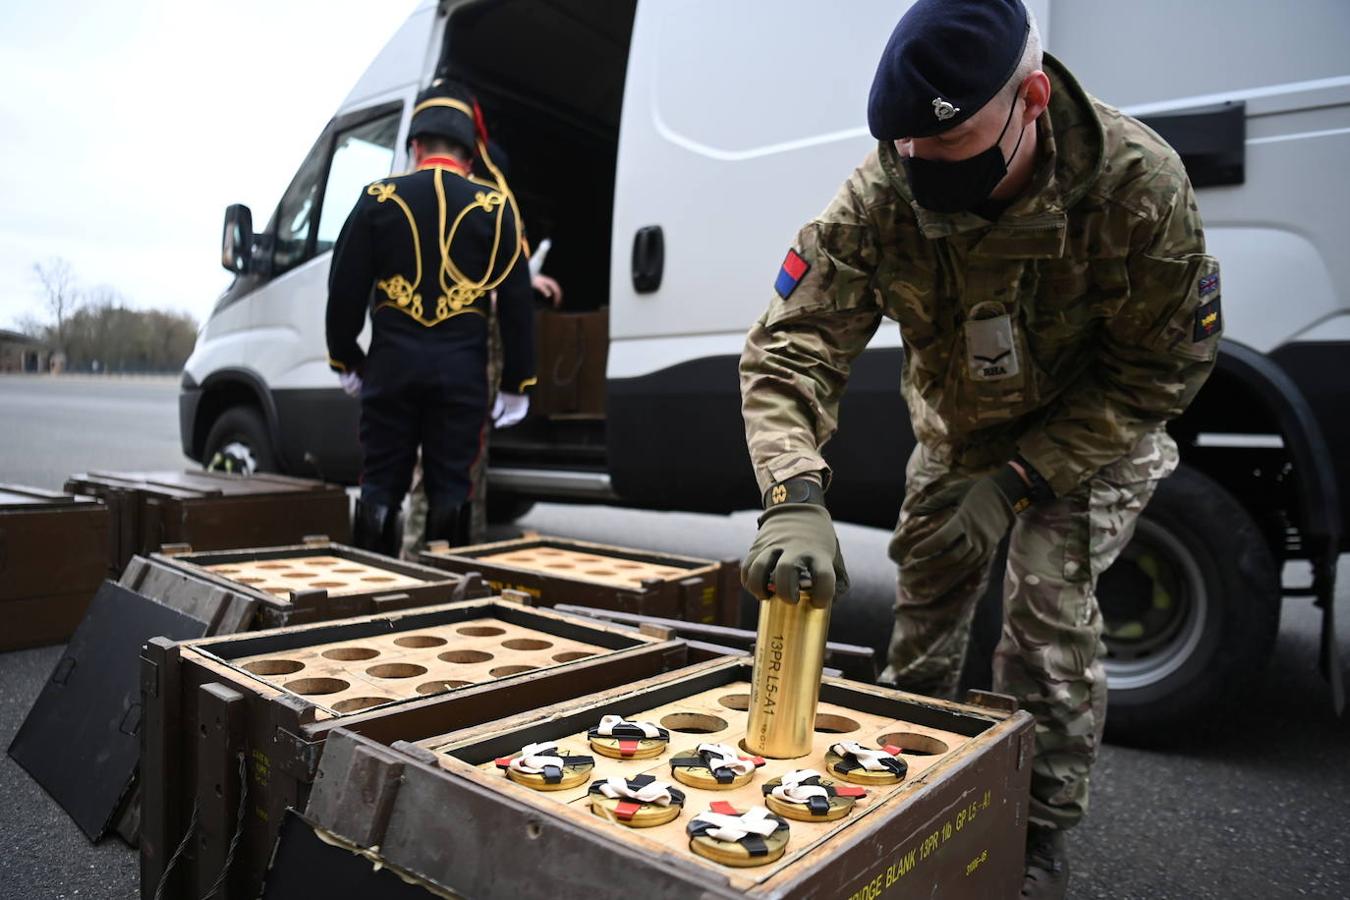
[{"x": 1056, "y": 308}]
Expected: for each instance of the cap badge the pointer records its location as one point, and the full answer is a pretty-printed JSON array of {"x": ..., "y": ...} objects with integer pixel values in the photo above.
[{"x": 944, "y": 110}]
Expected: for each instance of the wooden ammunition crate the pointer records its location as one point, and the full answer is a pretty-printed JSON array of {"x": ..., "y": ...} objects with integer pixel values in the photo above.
[
  {"x": 561, "y": 570},
  {"x": 573, "y": 351},
  {"x": 311, "y": 582},
  {"x": 55, "y": 551},
  {"x": 213, "y": 510},
  {"x": 954, "y": 827},
  {"x": 239, "y": 722}
]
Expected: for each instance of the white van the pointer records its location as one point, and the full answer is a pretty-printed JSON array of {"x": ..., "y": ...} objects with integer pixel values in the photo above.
[{"x": 670, "y": 150}]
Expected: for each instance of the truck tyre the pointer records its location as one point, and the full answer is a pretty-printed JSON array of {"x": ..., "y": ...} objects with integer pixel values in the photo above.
[
  {"x": 1191, "y": 610},
  {"x": 238, "y": 442}
]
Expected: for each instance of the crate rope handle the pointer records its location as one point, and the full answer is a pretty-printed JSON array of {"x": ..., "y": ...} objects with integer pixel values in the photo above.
[{"x": 238, "y": 830}]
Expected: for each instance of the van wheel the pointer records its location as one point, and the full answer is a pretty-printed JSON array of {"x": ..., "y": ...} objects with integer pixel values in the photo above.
[
  {"x": 238, "y": 442},
  {"x": 1191, "y": 610},
  {"x": 504, "y": 508}
]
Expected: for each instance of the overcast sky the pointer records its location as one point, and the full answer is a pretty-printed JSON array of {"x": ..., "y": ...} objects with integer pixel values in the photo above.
[{"x": 127, "y": 127}]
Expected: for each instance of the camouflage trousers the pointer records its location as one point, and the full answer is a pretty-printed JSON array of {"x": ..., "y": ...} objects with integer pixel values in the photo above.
[
  {"x": 415, "y": 526},
  {"x": 1049, "y": 654}
]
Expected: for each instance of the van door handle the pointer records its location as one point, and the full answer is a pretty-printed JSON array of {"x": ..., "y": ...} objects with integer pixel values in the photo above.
[{"x": 649, "y": 258}]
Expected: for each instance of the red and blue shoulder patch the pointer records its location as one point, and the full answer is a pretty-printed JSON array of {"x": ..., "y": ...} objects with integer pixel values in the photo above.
[{"x": 790, "y": 274}]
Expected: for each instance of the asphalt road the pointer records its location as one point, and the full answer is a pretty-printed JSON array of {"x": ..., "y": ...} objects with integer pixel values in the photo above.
[{"x": 1251, "y": 805}]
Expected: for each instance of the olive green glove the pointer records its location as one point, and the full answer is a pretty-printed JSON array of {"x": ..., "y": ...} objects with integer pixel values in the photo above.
[
  {"x": 795, "y": 536},
  {"x": 985, "y": 509}
]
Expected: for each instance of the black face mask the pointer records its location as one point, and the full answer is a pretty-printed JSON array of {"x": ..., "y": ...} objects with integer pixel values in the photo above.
[{"x": 949, "y": 187}]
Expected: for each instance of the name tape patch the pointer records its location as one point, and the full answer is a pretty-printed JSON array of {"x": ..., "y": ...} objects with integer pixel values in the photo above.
[{"x": 790, "y": 274}]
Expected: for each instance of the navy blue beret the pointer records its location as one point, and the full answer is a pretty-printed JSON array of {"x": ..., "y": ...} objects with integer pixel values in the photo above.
[
  {"x": 446, "y": 109},
  {"x": 945, "y": 60}
]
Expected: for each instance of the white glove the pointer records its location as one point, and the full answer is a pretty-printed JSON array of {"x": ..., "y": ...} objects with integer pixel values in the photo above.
[
  {"x": 540, "y": 254},
  {"x": 509, "y": 409},
  {"x": 351, "y": 383}
]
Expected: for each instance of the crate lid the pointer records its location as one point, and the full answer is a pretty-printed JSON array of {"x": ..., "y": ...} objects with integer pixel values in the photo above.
[
  {"x": 190, "y": 484},
  {"x": 24, "y": 498}
]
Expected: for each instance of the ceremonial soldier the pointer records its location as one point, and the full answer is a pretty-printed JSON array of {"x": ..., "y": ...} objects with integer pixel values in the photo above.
[
  {"x": 426, "y": 253},
  {"x": 1043, "y": 257}
]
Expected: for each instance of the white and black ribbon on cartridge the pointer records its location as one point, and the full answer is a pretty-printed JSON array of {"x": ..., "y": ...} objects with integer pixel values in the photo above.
[
  {"x": 803, "y": 787},
  {"x": 722, "y": 761},
  {"x": 619, "y": 727},
  {"x": 855, "y": 756},
  {"x": 642, "y": 788},
  {"x": 723, "y": 822},
  {"x": 545, "y": 759},
  {"x": 636, "y": 793}
]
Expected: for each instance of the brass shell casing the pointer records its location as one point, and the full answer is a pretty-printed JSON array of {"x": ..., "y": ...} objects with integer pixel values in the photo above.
[{"x": 789, "y": 657}]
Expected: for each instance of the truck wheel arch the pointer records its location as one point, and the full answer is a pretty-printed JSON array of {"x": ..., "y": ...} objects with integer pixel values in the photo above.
[
  {"x": 225, "y": 388},
  {"x": 1249, "y": 386}
]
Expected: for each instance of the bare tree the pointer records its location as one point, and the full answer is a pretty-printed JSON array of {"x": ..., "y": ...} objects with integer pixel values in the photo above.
[
  {"x": 59, "y": 292},
  {"x": 32, "y": 326}
]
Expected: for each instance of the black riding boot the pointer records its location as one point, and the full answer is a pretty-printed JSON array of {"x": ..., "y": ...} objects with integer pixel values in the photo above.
[
  {"x": 449, "y": 524},
  {"x": 1047, "y": 871},
  {"x": 376, "y": 528}
]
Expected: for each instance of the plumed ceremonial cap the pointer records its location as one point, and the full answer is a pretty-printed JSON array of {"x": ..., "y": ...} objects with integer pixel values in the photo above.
[
  {"x": 445, "y": 109},
  {"x": 945, "y": 60}
]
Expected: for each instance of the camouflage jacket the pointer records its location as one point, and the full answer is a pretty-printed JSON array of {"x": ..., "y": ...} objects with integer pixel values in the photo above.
[{"x": 1100, "y": 267}]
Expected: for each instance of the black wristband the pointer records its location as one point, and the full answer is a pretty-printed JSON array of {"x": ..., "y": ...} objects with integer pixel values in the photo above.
[
  {"x": 1022, "y": 493},
  {"x": 794, "y": 490},
  {"x": 1040, "y": 490}
]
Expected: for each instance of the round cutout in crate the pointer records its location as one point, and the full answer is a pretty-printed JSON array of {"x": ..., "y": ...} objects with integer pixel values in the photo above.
[
  {"x": 527, "y": 644},
  {"x": 396, "y": 670},
  {"x": 693, "y": 723},
  {"x": 351, "y": 654},
  {"x": 419, "y": 641},
  {"x": 317, "y": 686},
  {"x": 571, "y": 655},
  {"x": 481, "y": 630},
  {"x": 828, "y": 723},
  {"x": 503, "y": 671},
  {"x": 353, "y": 704},
  {"x": 327, "y": 584},
  {"x": 273, "y": 666},
  {"x": 464, "y": 656},
  {"x": 740, "y": 702},
  {"x": 912, "y": 743},
  {"x": 436, "y": 687}
]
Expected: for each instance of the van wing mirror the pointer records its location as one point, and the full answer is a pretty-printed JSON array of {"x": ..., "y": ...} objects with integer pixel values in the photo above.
[{"x": 236, "y": 242}]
